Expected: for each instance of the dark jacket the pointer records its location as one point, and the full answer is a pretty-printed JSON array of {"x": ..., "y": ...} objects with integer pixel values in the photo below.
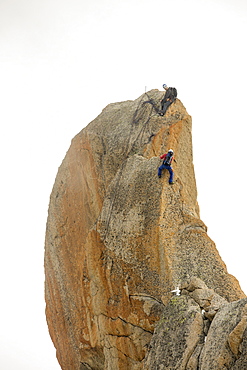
[{"x": 171, "y": 94}]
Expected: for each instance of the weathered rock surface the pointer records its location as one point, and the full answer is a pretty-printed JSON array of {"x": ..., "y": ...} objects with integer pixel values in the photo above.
[
  {"x": 184, "y": 338},
  {"x": 178, "y": 337},
  {"x": 119, "y": 239},
  {"x": 225, "y": 346}
]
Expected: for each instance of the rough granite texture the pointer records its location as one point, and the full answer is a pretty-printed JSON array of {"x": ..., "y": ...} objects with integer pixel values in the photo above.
[
  {"x": 119, "y": 239},
  {"x": 187, "y": 338}
]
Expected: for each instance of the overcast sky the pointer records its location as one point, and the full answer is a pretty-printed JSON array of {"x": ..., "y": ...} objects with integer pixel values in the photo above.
[{"x": 61, "y": 63}]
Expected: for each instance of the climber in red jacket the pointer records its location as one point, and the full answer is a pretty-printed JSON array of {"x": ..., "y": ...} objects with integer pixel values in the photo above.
[{"x": 167, "y": 160}]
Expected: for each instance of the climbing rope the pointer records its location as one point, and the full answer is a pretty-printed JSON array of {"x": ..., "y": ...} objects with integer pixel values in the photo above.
[
  {"x": 152, "y": 102},
  {"x": 137, "y": 117}
]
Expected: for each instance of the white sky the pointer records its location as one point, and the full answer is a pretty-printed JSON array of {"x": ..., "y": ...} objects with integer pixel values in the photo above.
[{"x": 61, "y": 63}]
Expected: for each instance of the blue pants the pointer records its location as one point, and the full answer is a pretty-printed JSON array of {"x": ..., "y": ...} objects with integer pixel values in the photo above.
[{"x": 166, "y": 167}]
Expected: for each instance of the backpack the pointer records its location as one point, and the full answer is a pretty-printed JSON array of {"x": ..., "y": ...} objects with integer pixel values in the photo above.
[
  {"x": 174, "y": 92},
  {"x": 168, "y": 159}
]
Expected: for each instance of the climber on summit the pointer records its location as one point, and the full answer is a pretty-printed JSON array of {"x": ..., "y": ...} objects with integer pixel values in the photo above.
[
  {"x": 168, "y": 99},
  {"x": 167, "y": 160}
]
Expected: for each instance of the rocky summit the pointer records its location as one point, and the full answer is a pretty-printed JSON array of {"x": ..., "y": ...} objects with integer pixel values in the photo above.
[{"x": 120, "y": 239}]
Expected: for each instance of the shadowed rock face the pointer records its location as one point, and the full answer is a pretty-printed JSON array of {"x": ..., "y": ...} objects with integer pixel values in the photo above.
[{"x": 119, "y": 239}]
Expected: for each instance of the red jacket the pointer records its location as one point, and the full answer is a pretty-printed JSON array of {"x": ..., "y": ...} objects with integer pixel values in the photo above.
[{"x": 164, "y": 155}]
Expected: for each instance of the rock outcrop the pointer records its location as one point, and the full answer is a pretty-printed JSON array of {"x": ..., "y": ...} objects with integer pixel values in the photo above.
[
  {"x": 199, "y": 330},
  {"x": 119, "y": 239}
]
